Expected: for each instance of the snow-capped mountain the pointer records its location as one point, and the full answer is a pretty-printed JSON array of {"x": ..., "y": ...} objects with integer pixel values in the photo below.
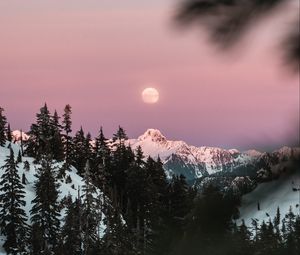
[
  {"x": 196, "y": 162},
  {"x": 18, "y": 135}
]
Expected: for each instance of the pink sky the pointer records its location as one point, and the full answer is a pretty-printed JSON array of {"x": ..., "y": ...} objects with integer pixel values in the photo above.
[{"x": 98, "y": 57}]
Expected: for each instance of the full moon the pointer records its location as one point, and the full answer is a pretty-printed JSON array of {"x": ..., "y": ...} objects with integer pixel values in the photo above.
[{"x": 150, "y": 95}]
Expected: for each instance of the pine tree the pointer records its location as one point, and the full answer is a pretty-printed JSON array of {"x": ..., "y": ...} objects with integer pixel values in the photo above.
[
  {"x": 45, "y": 211},
  {"x": 290, "y": 239},
  {"x": 81, "y": 151},
  {"x": 56, "y": 138},
  {"x": 159, "y": 227},
  {"x": 19, "y": 158},
  {"x": 120, "y": 136},
  {"x": 277, "y": 218},
  {"x": 40, "y": 134},
  {"x": 138, "y": 199},
  {"x": 8, "y": 133},
  {"x": 117, "y": 240},
  {"x": 179, "y": 199},
  {"x": 297, "y": 234},
  {"x": 242, "y": 240},
  {"x": 67, "y": 127},
  {"x": 21, "y": 143},
  {"x": 91, "y": 213},
  {"x": 101, "y": 161},
  {"x": 3, "y": 123},
  {"x": 71, "y": 232},
  {"x": 12, "y": 215},
  {"x": 122, "y": 159}
]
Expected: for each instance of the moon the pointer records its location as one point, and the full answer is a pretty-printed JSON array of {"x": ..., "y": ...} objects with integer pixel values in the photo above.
[{"x": 150, "y": 95}]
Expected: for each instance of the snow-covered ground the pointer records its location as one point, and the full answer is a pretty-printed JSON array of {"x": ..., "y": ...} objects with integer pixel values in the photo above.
[
  {"x": 65, "y": 188},
  {"x": 270, "y": 195}
]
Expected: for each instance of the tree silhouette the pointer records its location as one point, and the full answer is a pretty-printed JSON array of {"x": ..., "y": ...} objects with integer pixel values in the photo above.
[{"x": 227, "y": 20}]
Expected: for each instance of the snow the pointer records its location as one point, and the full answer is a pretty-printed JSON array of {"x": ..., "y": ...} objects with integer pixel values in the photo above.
[
  {"x": 65, "y": 188},
  {"x": 17, "y": 134},
  {"x": 253, "y": 153},
  {"x": 270, "y": 195},
  {"x": 154, "y": 144}
]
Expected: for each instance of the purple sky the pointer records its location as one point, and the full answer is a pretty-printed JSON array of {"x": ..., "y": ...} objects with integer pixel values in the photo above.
[{"x": 98, "y": 56}]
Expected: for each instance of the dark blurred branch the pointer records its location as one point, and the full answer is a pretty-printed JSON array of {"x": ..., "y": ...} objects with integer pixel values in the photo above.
[{"x": 227, "y": 20}]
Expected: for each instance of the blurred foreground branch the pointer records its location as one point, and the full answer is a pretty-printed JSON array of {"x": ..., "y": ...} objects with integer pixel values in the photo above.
[{"x": 227, "y": 20}]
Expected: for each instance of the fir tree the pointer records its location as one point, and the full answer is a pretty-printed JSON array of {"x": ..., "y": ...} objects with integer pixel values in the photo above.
[
  {"x": 13, "y": 217},
  {"x": 19, "y": 158},
  {"x": 8, "y": 133},
  {"x": 21, "y": 143},
  {"x": 290, "y": 239},
  {"x": 120, "y": 135},
  {"x": 67, "y": 127},
  {"x": 3, "y": 123},
  {"x": 117, "y": 240},
  {"x": 91, "y": 213},
  {"x": 297, "y": 234},
  {"x": 122, "y": 160},
  {"x": 45, "y": 210},
  {"x": 40, "y": 134},
  {"x": 277, "y": 218},
  {"x": 242, "y": 240},
  {"x": 81, "y": 151},
  {"x": 71, "y": 232},
  {"x": 101, "y": 161},
  {"x": 56, "y": 138}
]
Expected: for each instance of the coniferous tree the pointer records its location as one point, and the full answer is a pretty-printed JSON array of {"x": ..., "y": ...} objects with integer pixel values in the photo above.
[
  {"x": 40, "y": 134},
  {"x": 71, "y": 232},
  {"x": 160, "y": 225},
  {"x": 56, "y": 138},
  {"x": 118, "y": 239},
  {"x": 138, "y": 199},
  {"x": 122, "y": 159},
  {"x": 19, "y": 158},
  {"x": 91, "y": 213},
  {"x": 120, "y": 136},
  {"x": 277, "y": 218},
  {"x": 297, "y": 234},
  {"x": 12, "y": 215},
  {"x": 8, "y": 133},
  {"x": 101, "y": 161},
  {"x": 67, "y": 127},
  {"x": 241, "y": 240},
  {"x": 81, "y": 151},
  {"x": 290, "y": 240},
  {"x": 3, "y": 123},
  {"x": 21, "y": 142},
  {"x": 45, "y": 211}
]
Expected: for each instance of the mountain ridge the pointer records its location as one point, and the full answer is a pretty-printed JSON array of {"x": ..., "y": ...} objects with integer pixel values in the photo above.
[{"x": 195, "y": 162}]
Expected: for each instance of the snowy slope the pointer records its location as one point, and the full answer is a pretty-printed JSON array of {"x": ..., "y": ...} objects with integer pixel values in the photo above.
[
  {"x": 270, "y": 195},
  {"x": 65, "y": 189}
]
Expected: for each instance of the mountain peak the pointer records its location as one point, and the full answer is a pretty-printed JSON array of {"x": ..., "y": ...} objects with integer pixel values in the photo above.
[
  {"x": 154, "y": 135},
  {"x": 18, "y": 134}
]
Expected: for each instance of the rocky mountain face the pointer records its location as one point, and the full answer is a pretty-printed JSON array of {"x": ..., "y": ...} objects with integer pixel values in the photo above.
[{"x": 200, "y": 162}]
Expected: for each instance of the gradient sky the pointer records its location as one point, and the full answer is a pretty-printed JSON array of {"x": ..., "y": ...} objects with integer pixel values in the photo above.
[{"x": 98, "y": 56}]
